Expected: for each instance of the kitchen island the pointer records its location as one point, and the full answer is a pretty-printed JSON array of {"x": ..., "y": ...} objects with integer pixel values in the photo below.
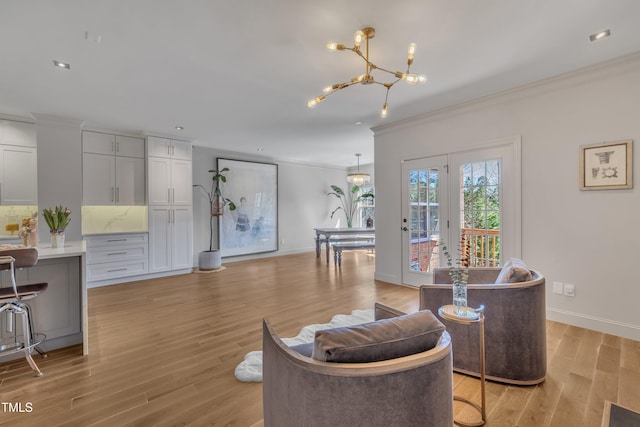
[{"x": 60, "y": 312}]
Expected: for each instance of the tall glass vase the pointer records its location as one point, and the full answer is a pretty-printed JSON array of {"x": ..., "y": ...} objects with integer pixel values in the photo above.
[{"x": 460, "y": 298}]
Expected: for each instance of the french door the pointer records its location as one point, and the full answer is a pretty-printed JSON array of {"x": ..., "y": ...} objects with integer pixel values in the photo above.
[
  {"x": 468, "y": 201},
  {"x": 424, "y": 216}
]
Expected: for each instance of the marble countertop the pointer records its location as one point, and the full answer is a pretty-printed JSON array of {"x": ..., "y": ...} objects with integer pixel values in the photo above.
[{"x": 71, "y": 248}]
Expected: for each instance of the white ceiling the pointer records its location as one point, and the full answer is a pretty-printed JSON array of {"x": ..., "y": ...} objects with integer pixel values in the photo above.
[{"x": 237, "y": 74}]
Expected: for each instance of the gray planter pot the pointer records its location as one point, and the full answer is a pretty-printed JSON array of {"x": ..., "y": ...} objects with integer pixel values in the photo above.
[{"x": 209, "y": 260}]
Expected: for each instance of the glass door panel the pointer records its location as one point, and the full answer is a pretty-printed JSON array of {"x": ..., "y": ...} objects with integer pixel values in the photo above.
[{"x": 424, "y": 182}]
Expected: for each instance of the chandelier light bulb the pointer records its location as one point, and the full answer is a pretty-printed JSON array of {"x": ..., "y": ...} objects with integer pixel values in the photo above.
[
  {"x": 315, "y": 101},
  {"x": 412, "y": 79},
  {"x": 385, "y": 108},
  {"x": 412, "y": 51},
  {"x": 357, "y": 38},
  {"x": 422, "y": 78},
  {"x": 336, "y": 46}
]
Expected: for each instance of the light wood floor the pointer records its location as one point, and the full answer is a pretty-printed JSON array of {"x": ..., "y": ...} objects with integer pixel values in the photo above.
[{"x": 163, "y": 352}]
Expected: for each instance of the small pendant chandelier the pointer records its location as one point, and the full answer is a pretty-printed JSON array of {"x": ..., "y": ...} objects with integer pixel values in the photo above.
[
  {"x": 358, "y": 178},
  {"x": 366, "y": 34}
]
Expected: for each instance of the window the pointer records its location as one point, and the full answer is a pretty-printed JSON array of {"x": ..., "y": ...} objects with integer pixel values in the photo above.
[{"x": 366, "y": 207}]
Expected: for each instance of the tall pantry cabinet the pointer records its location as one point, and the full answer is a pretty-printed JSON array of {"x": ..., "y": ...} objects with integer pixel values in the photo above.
[{"x": 169, "y": 197}]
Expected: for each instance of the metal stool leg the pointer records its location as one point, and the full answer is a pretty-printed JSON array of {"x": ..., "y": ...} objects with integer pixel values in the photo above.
[
  {"x": 32, "y": 334},
  {"x": 27, "y": 332}
]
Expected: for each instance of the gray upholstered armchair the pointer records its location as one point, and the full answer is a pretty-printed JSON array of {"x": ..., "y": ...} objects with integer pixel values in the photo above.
[
  {"x": 413, "y": 390},
  {"x": 515, "y": 325}
]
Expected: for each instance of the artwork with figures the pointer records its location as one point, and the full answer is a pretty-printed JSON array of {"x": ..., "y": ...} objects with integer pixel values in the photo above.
[{"x": 253, "y": 226}]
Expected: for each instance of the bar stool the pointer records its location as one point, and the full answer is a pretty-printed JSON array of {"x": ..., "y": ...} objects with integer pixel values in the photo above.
[{"x": 12, "y": 302}]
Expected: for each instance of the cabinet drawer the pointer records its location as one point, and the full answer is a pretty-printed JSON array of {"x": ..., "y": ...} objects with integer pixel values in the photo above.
[
  {"x": 114, "y": 270},
  {"x": 119, "y": 253},
  {"x": 113, "y": 240}
]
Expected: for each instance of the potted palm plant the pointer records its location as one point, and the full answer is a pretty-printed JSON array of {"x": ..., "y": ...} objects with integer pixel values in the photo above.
[
  {"x": 211, "y": 259},
  {"x": 348, "y": 201}
]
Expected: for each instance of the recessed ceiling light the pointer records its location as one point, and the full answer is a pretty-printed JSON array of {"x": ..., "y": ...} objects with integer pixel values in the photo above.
[
  {"x": 61, "y": 64},
  {"x": 357, "y": 123},
  {"x": 179, "y": 127},
  {"x": 600, "y": 35}
]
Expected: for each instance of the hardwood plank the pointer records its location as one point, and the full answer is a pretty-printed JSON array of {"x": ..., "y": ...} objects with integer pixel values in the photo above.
[
  {"x": 163, "y": 352},
  {"x": 540, "y": 408}
]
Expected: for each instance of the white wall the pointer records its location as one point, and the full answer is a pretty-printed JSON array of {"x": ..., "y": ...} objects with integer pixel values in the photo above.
[
  {"x": 588, "y": 238},
  {"x": 302, "y": 201}
]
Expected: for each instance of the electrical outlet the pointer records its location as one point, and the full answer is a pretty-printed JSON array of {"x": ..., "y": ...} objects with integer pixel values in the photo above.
[
  {"x": 569, "y": 290},
  {"x": 558, "y": 288}
]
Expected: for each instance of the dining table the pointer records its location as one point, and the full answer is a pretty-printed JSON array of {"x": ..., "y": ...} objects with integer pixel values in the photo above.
[{"x": 333, "y": 234}]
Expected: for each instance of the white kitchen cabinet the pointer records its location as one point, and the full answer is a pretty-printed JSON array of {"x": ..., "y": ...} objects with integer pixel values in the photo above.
[
  {"x": 98, "y": 143},
  {"x": 169, "y": 172},
  {"x": 113, "y": 256},
  {"x": 18, "y": 133},
  {"x": 169, "y": 196},
  {"x": 170, "y": 238},
  {"x": 105, "y": 143},
  {"x": 169, "y": 182},
  {"x": 168, "y": 148},
  {"x": 98, "y": 179},
  {"x": 18, "y": 175},
  {"x": 129, "y": 146},
  {"x": 113, "y": 170},
  {"x": 130, "y": 179},
  {"x": 159, "y": 182}
]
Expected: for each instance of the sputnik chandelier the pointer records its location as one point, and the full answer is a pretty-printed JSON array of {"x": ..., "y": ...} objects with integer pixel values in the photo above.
[{"x": 366, "y": 34}]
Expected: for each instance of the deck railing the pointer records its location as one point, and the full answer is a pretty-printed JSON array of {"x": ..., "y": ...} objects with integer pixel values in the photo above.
[{"x": 479, "y": 247}]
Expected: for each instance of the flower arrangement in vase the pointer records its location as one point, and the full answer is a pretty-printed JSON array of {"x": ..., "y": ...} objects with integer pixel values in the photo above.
[
  {"x": 57, "y": 219},
  {"x": 459, "y": 274},
  {"x": 29, "y": 230}
]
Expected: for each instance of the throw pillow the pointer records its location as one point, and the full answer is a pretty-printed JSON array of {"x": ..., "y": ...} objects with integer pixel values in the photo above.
[
  {"x": 380, "y": 340},
  {"x": 514, "y": 271}
]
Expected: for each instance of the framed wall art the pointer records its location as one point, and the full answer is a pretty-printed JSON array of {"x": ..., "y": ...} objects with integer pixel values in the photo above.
[
  {"x": 606, "y": 166},
  {"x": 253, "y": 226}
]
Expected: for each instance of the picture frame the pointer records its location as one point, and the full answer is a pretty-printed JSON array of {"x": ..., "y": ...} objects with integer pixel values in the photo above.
[
  {"x": 252, "y": 227},
  {"x": 606, "y": 166}
]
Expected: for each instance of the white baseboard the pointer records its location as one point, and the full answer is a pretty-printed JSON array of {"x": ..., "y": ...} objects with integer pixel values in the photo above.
[
  {"x": 128, "y": 279},
  {"x": 600, "y": 324},
  {"x": 387, "y": 278}
]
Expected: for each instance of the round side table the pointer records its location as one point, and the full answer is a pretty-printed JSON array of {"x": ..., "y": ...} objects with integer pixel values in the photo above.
[{"x": 466, "y": 317}]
